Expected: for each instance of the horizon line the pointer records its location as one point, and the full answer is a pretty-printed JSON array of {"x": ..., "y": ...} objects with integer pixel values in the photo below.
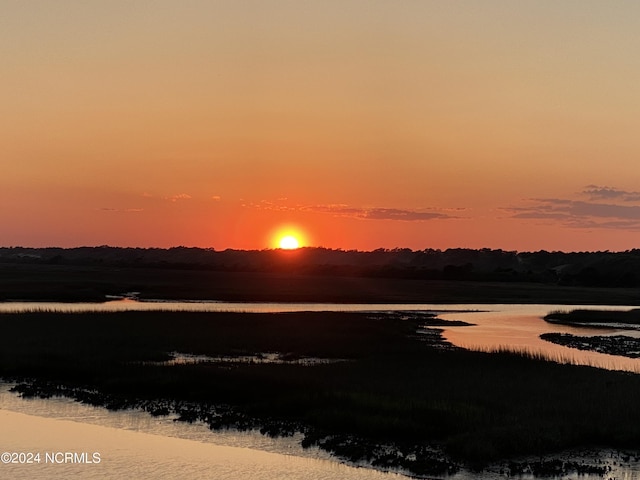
[{"x": 309, "y": 247}]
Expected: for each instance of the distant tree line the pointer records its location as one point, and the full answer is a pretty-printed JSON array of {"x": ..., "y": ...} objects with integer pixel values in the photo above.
[{"x": 610, "y": 269}]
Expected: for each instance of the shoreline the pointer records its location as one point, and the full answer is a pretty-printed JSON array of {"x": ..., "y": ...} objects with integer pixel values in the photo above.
[
  {"x": 151, "y": 454},
  {"x": 581, "y": 461}
]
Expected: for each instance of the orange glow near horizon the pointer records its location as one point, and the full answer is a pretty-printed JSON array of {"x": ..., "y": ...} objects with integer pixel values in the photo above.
[{"x": 288, "y": 238}]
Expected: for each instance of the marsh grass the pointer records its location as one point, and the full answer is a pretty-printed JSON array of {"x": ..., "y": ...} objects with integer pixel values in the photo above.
[
  {"x": 595, "y": 316},
  {"x": 561, "y": 358},
  {"x": 477, "y": 406}
]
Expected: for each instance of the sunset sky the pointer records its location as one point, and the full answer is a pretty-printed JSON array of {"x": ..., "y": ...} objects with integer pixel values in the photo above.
[{"x": 357, "y": 124}]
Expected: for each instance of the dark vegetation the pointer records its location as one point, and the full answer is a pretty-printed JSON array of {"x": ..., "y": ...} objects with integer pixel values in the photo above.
[
  {"x": 398, "y": 401},
  {"x": 621, "y": 345},
  {"x": 320, "y": 275},
  {"x": 591, "y": 269},
  {"x": 591, "y": 318}
]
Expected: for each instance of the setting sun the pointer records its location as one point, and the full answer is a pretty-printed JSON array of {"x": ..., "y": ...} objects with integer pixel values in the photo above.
[
  {"x": 288, "y": 237},
  {"x": 289, "y": 242}
]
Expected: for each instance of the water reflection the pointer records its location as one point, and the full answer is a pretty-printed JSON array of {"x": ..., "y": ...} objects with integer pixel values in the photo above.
[
  {"x": 135, "y": 445},
  {"x": 518, "y": 327}
]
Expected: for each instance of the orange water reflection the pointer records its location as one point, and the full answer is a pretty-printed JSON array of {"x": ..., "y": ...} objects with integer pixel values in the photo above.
[
  {"x": 62, "y": 426},
  {"x": 518, "y": 327}
]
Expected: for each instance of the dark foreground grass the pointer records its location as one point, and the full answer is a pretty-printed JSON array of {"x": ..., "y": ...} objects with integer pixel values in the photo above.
[{"x": 394, "y": 390}]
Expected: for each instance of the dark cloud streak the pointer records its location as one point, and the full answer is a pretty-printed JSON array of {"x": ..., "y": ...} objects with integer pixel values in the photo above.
[
  {"x": 586, "y": 214},
  {"x": 597, "y": 192}
]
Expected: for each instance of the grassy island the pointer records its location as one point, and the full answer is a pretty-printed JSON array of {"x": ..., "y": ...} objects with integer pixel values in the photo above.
[
  {"x": 381, "y": 388},
  {"x": 596, "y": 318}
]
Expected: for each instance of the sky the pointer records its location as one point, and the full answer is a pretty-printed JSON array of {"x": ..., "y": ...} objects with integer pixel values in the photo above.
[{"x": 353, "y": 124}]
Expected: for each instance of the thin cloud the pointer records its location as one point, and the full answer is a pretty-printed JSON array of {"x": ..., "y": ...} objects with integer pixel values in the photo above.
[
  {"x": 542, "y": 215},
  {"x": 366, "y": 213},
  {"x": 581, "y": 214},
  {"x": 380, "y": 213},
  {"x": 597, "y": 192},
  {"x": 604, "y": 210},
  {"x": 124, "y": 210},
  {"x": 179, "y": 196},
  {"x": 269, "y": 205}
]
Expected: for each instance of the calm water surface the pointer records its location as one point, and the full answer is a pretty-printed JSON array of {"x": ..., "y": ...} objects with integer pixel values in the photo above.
[
  {"x": 135, "y": 445},
  {"x": 518, "y": 327}
]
